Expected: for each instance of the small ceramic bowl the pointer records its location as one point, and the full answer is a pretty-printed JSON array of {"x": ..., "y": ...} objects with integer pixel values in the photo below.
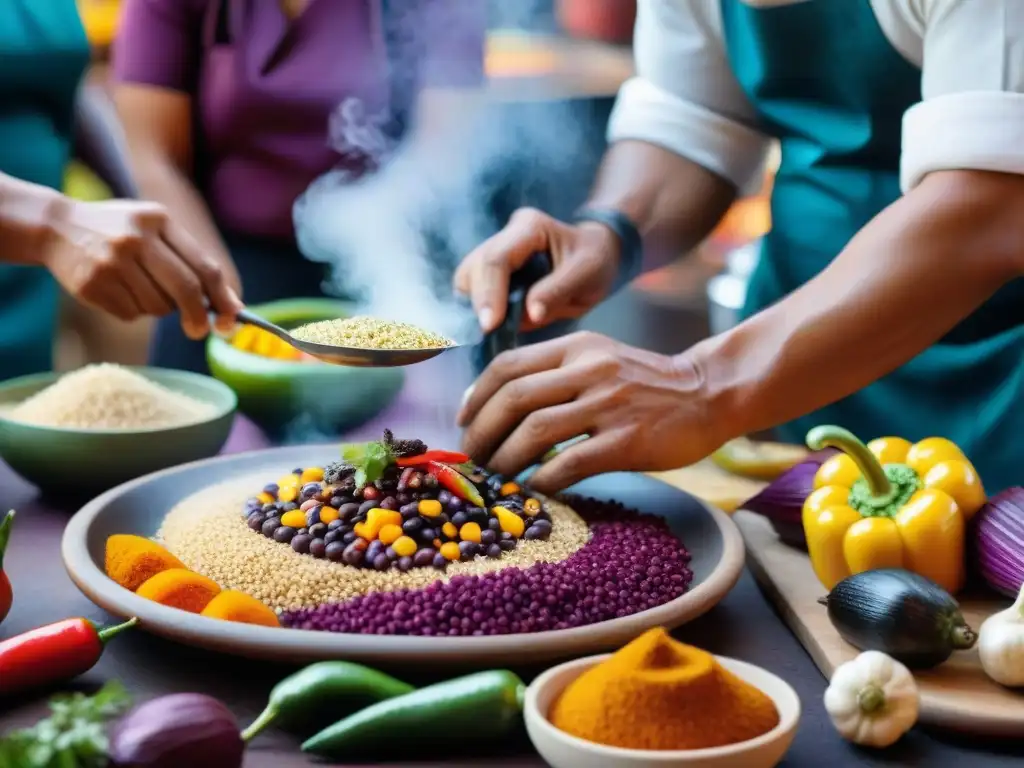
[
  {"x": 77, "y": 463},
  {"x": 561, "y": 750},
  {"x": 297, "y": 401}
]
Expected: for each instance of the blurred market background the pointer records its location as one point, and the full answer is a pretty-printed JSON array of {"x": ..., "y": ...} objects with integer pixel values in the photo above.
[{"x": 562, "y": 55}]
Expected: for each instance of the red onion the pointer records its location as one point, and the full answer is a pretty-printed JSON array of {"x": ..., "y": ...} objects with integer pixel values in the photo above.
[
  {"x": 782, "y": 500},
  {"x": 999, "y": 541}
]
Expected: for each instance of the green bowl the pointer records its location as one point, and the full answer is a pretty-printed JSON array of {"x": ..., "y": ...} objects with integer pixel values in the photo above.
[
  {"x": 296, "y": 401},
  {"x": 80, "y": 463}
]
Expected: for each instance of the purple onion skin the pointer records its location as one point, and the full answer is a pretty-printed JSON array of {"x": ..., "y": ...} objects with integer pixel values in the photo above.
[
  {"x": 999, "y": 542},
  {"x": 183, "y": 730},
  {"x": 782, "y": 500}
]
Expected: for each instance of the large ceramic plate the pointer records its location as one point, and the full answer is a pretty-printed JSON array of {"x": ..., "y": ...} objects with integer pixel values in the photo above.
[{"x": 139, "y": 507}]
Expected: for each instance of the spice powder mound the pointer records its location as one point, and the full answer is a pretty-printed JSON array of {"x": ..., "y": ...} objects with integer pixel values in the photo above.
[
  {"x": 370, "y": 333},
  {"x": 207, "y": 534}
]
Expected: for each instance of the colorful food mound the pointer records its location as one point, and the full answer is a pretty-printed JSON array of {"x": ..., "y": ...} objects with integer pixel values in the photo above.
[
  {"x": 257, "y": 341},
  {"x": 659, "y": 694},
  {"x": 370, "y": 333},
  {"x": 420, "y": 511},
  {"x": 360, "y": 560},
  {"x": 107, "y": 396}
]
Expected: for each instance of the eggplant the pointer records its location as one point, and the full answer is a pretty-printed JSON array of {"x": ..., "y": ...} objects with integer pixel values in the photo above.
[
  {"x": 902, "y": 614},
  {"x": 183, "y": 730}
]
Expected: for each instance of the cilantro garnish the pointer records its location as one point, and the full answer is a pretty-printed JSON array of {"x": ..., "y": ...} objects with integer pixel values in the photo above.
[{"x": 369, "y": 459}]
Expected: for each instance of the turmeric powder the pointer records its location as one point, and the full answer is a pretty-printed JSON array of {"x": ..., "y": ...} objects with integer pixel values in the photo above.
[
  {"x": 131, "y": 560},
  {"x": 231, "y": 605},
  {"x": 179, "y": 588},
  {"x": 659, "y": 694}
]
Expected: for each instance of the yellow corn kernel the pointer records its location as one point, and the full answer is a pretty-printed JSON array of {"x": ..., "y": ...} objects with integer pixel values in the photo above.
[
  {"x": 450, "y": 551},
  {"x": 509, "y": 489},
  {"x": 287, "y": 493},
  {"x": 287, "y": 480},
  {"x": 429, "y": 507},
  {"x": 404, "y": 546},
  {"x": 510, "y": 522},
  {"x": 294, "y": 519},
  {"x": 376, "y": 519},
  {"x": 470, "y": 532},
  {"x": 328, "y": 514},
  {"x": 265, "y": 497},
  {"x": 449, "y": 530},
  {"x": 389, "y": 533},
  {"x": 532, "y": 507},
  {"x": 312, "y": 475}
]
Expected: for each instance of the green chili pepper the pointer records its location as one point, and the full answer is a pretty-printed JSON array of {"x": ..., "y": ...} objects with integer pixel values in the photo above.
[
  {"x": 477, "y": 709},
  {"x": 317, "y": 693}
]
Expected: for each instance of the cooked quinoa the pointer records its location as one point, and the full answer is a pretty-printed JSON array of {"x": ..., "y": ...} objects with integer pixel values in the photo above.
[
  {"x": 370, "y": 333},
  {"x": 207, "y": 533},
  {"x": 107, "y": 396}
]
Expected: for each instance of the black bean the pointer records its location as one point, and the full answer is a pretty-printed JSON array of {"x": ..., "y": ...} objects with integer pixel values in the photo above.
[
  {"x": 460, "y": 519},
  {"x": 402, "y": 498},
  {"x": 348, "y": 510},
  {"x": 283, "y": 534},
  {"x": 334, "y": 551},
  {"x": 505, "y": 536},
  {"x": 540, "y": 529},
  {"x": 375, "y": 548},
  {"x": 313, "y": 515},
  {"x": 272, "y": 489},
  {"x": 410, "y": 510},
  {"x": 280, "y": 505},
  {"x": 412, "y": 525},
  {"x": 494, "y": 551},
  {"x": 507, "y": 545},
  {"x": 468, "y": 549},
  {"x": 443, "y": 518},
  {"x": 444, "y": 496},
  {"x": 424, "y": 557},
  {"x": 477, "y": 514},
  {"x": 404, "y": 564},
  {"x": 317, "y": 530},
  {"x": 255, "y": 520},
  {"x": 440, "y": 561},
  {"x": 428, "y": 535},
  {"x": 367, "y": 505},
  {"x": 335, "y": 524},
  {"x": 309, "y": 490},
  {"x": 302, "y": 530},
  {"x": 317, "y": 547},
  {"x": 429, "y": 480},
  {"x": 381, "y": 562},
  {"x": 270, "y": 525},
  {"x": 269, "y": 508},
  {"x": 390, "y": 502},
  {"x": 488, "y": 537},
  {"x": 288, "y": 506},
  {"x": 297, "y": 471},
  {"x": 354, "y": 553},
  {"x": 494, "y": 524},
  {"x": 392, "y": 555},
  {"x": 455, "y": 504},
  {"x": 332, "y": 536},
  {"x": 349, "y": 536},
  {"x": 301, "y": 543}
]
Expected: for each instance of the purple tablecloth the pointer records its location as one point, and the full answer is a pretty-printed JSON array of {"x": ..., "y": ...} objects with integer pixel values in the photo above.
[{"x": 742, "y": 626}]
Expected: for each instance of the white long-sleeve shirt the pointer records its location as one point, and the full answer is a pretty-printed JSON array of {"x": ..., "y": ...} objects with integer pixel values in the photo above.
[{"x": 685, "y": 97}]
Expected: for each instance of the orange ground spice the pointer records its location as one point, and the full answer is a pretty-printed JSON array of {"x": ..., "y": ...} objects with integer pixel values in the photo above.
[
  {"x": 133, "y": 560},
  {"x": 659, "y": 694}
]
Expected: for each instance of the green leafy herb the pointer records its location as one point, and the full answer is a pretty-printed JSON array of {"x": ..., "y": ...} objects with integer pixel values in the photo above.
[
  {"x": 73, "y": 736},
  {"x": 369, "y": 459}
]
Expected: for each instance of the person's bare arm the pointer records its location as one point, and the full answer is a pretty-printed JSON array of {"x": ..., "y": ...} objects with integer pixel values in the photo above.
[
  {"x": 28, "y": 213},
  {"x": 157, "y": 124},
  {"x": 919, "y": 268}
]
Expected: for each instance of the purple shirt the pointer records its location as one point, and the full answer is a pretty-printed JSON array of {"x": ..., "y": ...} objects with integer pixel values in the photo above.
[{"x": 265, "y": 87}]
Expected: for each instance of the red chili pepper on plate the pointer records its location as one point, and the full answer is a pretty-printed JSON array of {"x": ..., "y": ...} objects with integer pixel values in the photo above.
[
  {"x": 456, "y": 482},
  {"x": 53, "y": 654},
  {"x": 444, "y": 457},
  {"x": 6, "y": 593}
]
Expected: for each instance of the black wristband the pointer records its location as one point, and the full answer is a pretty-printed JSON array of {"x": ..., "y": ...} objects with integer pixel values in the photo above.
[{"x": 630, "y": 243}]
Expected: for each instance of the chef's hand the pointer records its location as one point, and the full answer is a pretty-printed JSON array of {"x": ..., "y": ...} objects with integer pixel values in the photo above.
[
  {"x": 643, "y": 411},
  {"x": 129, "y": 259},
  {"x": 585, "y": 260}
]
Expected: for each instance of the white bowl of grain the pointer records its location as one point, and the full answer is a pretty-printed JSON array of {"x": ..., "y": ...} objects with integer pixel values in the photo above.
[{"x": 82, "y": 432}]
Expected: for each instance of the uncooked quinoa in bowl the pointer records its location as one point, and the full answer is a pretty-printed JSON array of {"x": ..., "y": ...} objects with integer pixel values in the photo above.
[{"x": 401, "y": 538}]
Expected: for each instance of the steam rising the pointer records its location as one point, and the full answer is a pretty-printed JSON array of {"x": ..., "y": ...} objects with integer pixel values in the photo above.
[{"x": 393, "y": 238}]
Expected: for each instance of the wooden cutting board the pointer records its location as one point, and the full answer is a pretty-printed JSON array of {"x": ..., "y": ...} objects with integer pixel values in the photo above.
[
  {"x": 712, "y": 484},
  {"x": 955, "y": 695}
]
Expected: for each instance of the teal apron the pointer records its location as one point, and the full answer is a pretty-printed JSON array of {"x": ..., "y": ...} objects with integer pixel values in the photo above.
[
  {"x": 43, "y": 55},
  {"x": 827, "y": 83}
]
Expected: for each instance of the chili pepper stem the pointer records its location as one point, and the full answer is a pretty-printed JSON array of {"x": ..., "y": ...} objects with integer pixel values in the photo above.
[
  {"x": 266, "y": 717},
  {"x": 5, "y": 534},
  {"x": 823, "y": 437},
  {"x": 108, "y": 633}
]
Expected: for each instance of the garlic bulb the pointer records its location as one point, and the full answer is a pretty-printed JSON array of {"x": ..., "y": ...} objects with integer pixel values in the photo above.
[
  {"x": 872, "y": 700},
  {"x": 1001, "y": 644}
]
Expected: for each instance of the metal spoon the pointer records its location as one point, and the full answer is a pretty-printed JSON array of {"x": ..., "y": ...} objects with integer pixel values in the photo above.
[{"x": 504, "y": 337}]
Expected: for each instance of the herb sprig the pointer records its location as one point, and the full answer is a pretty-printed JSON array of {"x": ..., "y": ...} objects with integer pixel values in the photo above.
[
  {"x": 73, "y": 736},
  {"x": 369, "y": 459}
]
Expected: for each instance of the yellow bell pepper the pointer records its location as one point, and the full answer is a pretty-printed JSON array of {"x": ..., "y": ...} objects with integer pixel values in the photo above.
[{"x": 890, "y": 504}]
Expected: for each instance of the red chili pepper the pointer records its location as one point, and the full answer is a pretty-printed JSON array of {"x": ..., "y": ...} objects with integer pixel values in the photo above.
[
  {"x": 53, "y": 654},
  {"x": 456, "y": 482},
  {"x": 445, "y": 457},
  {"x": 6, "y": 593}
]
